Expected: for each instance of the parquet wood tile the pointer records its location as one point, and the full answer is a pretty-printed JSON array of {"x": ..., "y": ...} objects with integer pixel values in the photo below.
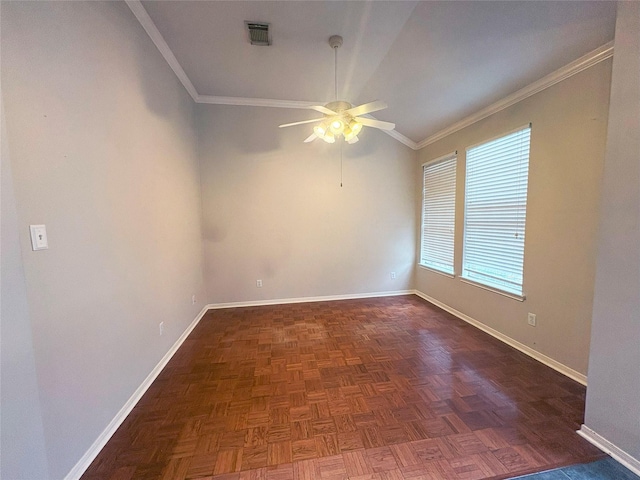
[{"x": 373, "y": 389}]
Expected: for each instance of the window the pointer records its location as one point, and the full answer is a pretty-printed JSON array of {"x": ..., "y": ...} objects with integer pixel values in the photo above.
[
  {"x": 438, "y": 213},
  {"x": 495, "y": 212}
]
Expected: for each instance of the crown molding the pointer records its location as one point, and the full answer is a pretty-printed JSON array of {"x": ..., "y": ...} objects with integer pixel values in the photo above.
[
  {"x": 590, "y": 59},
  {"x": 402, "y": 139},
  {"x": 156, "y": 37},
  {"x": 254, "y": 102}
]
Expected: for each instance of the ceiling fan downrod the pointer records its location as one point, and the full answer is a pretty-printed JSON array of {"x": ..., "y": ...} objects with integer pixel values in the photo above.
[
  {"x": 341, "y": 119},
  {"x": 335, "y": 42}
]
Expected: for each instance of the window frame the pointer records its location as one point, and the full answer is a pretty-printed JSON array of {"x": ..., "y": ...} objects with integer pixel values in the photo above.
[
  {"x": 520, "y": 195},
  {"x": 453, "y": 156}
]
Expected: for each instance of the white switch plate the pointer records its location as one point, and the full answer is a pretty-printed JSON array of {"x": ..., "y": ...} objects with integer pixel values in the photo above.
[
  {"x": 259, "y": 283},
  {"x": 393, "y": 275},
  {"x": 531, "y": 319},
  {"x": 38, "y": 237}
]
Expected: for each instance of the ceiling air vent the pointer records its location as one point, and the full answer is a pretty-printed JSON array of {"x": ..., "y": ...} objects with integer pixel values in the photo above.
[{"x": 258, "y": 33}]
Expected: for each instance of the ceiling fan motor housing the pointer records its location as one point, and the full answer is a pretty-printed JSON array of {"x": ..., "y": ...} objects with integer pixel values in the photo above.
[
  {"x": 338, "y": 106},
  {"x": 335, "y": 41}
]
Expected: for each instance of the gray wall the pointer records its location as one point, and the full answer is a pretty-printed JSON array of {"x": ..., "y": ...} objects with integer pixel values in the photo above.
[
  {"x": 23, "y": 452},
  {"x": 613, "y": 395},
  {"x": 565, "y": 170},
  {"x": 102, "y": 147},
  {"x": 273, "y": 208}
]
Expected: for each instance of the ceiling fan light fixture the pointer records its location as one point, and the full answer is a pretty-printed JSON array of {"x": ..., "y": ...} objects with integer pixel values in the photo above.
[
  {"x": 320, "y": 130},
  {"x": 351, "y": 131},
  {"x": 355, "y": 127},
  {"x": 329, "y": 137},
  {"x": 337, "y": 126},
  {"x": 353, "y": 140}
]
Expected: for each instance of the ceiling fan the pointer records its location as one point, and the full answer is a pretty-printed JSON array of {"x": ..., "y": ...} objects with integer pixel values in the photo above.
[{"x": 340, "y": 117}]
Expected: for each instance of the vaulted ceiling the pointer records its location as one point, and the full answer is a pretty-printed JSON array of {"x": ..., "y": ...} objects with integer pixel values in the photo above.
[{"x": 434, "y": 63}]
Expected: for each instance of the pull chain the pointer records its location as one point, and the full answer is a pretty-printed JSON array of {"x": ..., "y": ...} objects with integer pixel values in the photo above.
[{"x": 341, "y": 144}]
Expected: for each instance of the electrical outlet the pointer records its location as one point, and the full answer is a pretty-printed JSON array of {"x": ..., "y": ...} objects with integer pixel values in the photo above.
[
  {"x": 259, "y": 283},
  {"x": 193, "y": 299},
  {"x": 531, "y": 319},
  {"x": 161, "y": 328},
  {"x": 393, "y": 275}
]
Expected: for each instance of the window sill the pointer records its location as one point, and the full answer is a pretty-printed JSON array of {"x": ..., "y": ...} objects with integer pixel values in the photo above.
[
  {"x": 439, "y": 272},
  {"x": 514, "y": 296}
]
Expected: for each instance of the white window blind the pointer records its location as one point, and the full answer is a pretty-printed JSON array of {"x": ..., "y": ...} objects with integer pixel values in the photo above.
[
  {"x": 495, "y": 211},
  {"x": 438, "y": 214}
]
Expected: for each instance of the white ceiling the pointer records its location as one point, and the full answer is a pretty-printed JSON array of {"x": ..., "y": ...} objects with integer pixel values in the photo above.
[{"x": 434, "y": 63}]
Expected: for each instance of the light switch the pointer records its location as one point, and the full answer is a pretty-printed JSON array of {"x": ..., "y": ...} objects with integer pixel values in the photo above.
[{"x": 38, "y": 237}]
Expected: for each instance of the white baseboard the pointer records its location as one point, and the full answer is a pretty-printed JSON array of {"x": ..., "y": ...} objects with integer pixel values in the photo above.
[
  {"x": 326, "y": 298},
  {"x": 84, "y": 462},
  {"x": 606, "y": 446},
  {"x": 548, "y": 361}
]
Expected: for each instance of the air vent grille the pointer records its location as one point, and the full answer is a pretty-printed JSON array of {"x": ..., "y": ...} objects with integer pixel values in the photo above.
[{"x": 258, "y": 33}]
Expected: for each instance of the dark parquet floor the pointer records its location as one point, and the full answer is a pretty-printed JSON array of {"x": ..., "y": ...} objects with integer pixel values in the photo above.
[{"x": 383, "y": 388}]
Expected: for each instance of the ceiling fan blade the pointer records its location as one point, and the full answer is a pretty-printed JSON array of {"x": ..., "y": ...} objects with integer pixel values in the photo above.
[
  {"x": 311, "y": 138},
  {"x": 366, "y": 108},
  {"x": 321, "y": 109},
  {"x": 300, "y": 123},
  {"x": 372, "y": 122}
]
